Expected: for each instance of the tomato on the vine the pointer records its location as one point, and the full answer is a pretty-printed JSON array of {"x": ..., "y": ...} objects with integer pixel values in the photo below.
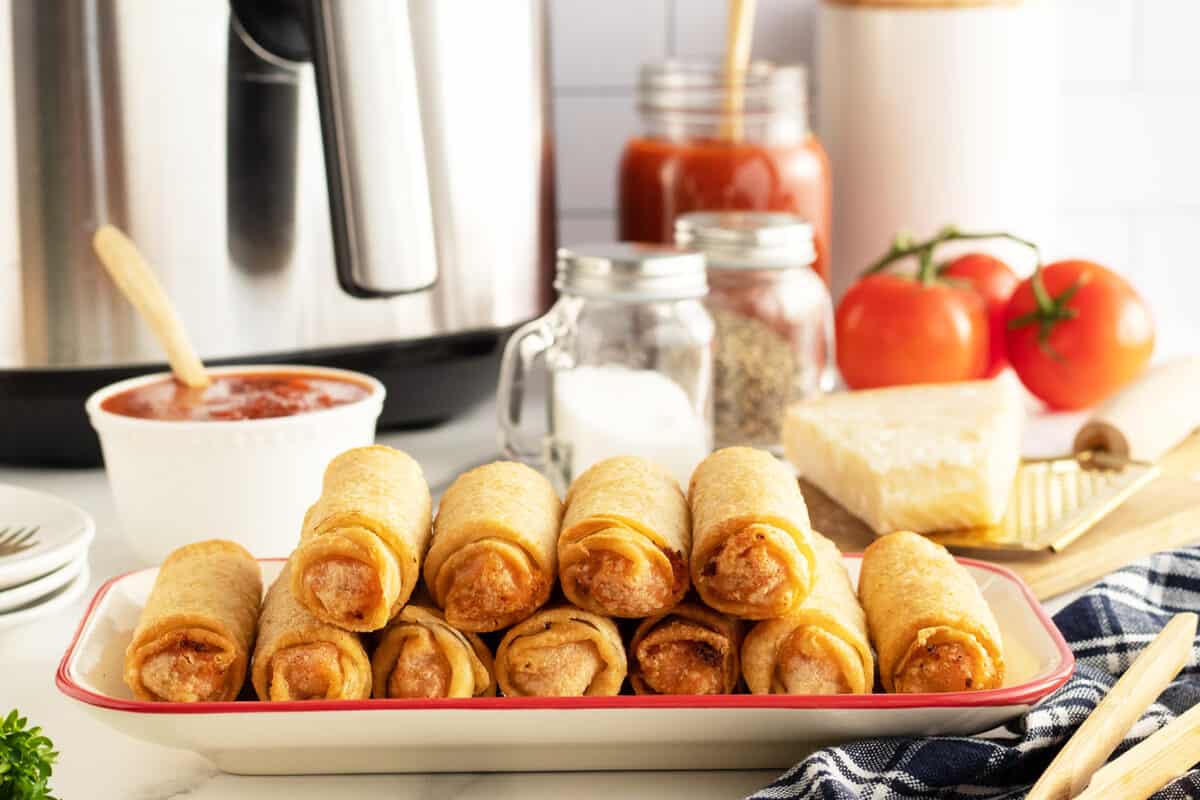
[
  {"x": 893, "y": 330},
  {"x": 995, "y": 282},
  {"x": 1076, "y": 333},
  {"x": 931, "y": 328}
]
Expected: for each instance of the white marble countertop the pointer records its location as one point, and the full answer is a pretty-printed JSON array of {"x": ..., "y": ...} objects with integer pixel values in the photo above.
[{"x": 98, "y": 762}]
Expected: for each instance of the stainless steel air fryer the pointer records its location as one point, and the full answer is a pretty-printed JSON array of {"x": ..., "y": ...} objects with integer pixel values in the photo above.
[{"x": 355, "y": 183}]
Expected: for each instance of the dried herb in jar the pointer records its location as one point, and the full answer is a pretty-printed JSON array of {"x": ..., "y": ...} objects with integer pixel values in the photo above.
[{"x": 753, "y": 381}]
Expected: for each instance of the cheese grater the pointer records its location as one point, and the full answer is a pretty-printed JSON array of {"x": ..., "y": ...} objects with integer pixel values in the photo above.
[{"x": 1055, "y": 501}]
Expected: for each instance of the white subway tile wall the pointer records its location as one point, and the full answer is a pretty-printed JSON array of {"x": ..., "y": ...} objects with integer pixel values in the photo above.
[{"x": 1130, "y": 122}]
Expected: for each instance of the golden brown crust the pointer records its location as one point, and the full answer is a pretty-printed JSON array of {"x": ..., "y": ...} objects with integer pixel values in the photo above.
[
  {"x": 299, "y": 657},
  {"x": 561, "y": 651},
  {"x": 752, "y": 552},
  {"x": 821, "y": 647},
  {"x": 194, "y": 636},
  {"x": 363, "y": 540},
  {"x": 493, "y": 559},
  {"x": 626, "y": 537},
  {"x": 690, "y": 650},
  {"x": 917, "y": 597},
  {"x": 421, "y": 655}
]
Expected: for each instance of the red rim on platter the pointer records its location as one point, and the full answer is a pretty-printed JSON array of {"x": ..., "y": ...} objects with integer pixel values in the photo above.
[{"x": 1022, "y": 694}]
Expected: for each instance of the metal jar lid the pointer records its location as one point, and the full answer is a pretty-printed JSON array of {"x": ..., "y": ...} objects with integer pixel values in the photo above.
[
  {"x": 631, "y": 271},
  {"x": 748, "y": 239}
]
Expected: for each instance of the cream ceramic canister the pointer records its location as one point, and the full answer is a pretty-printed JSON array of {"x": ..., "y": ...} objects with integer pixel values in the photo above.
[{"x": 938, "y": 112}]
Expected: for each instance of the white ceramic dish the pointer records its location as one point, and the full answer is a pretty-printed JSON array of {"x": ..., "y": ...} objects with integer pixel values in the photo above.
[
  {"x": 176, "y": 482},
  {"x": 515, "y": 734},
  {"x": 34, "y": 590},
  {"x": 64, "y": 533},
  {"x": 56, "y": 601}
]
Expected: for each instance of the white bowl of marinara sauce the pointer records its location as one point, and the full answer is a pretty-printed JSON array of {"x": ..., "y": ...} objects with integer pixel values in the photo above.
[{"x": 241, "y": 460}]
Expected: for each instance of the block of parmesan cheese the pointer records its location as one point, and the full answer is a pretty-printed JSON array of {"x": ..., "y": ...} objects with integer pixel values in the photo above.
[{"x": 921, "y": 458}]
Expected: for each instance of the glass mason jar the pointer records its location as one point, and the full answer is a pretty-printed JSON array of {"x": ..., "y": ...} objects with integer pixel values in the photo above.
[
  {"x": 627, "y": 353},
  {"x": 773, "y": 316},
  {"x": 711, "y": 144}
]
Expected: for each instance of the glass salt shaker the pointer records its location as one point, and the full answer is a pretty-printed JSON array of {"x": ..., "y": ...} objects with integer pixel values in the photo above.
[
  {"x": 627, "y": 353},
  {"x": 773, "y": 315}
]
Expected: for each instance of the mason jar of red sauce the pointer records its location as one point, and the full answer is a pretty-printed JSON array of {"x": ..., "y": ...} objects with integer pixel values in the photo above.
[{"x": 711, "y": 144}]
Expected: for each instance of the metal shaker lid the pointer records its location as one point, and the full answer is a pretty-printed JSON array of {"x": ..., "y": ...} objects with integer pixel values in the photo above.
[
  {"x": 748, "y": 239},
  {"x": 631, "y": 271}
]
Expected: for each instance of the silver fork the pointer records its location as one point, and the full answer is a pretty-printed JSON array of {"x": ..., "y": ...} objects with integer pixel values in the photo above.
[{"x": 14, "y": 540}]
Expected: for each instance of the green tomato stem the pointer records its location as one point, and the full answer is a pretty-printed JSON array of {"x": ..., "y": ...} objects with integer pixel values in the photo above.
[{"x": 905, "y": 247}]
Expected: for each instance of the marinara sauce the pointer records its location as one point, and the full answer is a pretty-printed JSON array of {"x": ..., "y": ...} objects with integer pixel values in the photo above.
[
  {"x": 692, "y": 155},
  {"x": 251, "y": 395}
]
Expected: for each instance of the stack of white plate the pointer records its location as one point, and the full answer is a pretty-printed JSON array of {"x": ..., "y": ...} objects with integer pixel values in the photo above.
[{"x": 50, "y": 572}]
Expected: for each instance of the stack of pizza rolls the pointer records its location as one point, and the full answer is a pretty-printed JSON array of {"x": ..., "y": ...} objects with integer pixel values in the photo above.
[{"x": 629, "y": 584}]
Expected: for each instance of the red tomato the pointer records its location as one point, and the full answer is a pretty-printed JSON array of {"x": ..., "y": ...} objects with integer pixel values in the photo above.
[
  {"x": 995, "y": 283},
  {"x": 1093, "y": 337},
  {"x": 894, "y": 330}
]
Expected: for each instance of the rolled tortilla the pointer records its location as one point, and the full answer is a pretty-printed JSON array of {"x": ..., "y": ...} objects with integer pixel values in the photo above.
[
  {"x": 820, "y": 647},
  {"x": 561, "y": 652},
  {"x": 360, "y": 551},
  {"x": 752, "y": 552},
  {"x": 420, "y": 655},
  {"x": 299, "y": 657},
  {"x": 689, "y": 650},
  {"x": 192, "y": 641},
  {"x": 626, "y": 537},
  {"x": 928, "y": 620},
  {"x": 493, "y": 560}
]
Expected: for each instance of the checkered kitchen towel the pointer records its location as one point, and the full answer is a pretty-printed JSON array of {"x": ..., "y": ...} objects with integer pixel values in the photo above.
[{"x": 1106, "y": 627}]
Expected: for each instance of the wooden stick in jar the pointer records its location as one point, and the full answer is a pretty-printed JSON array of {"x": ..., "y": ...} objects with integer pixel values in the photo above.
[
  {"x": 738, "y": 33},
  {"x": 1108, "y": 723},
  {"x": 1151, "y": 765},
  {"x": 136, "y": 280}
]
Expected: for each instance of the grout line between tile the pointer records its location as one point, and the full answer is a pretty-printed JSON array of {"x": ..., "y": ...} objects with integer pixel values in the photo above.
[
  {"x": 593, "y": 91},
  {"x": 1126, "y": 211},
  {"x": 669, "y": 29},
  {"x": 1133, "y": 230},
  {"x": 1136, "y": 30},
  {"x": 585, "y": 214}
]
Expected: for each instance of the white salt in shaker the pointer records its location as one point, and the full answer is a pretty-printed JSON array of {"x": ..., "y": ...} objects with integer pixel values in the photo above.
[{"x": 628, "y": 353}]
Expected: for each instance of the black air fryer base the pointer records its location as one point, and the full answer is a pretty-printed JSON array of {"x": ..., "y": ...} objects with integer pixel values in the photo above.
[{"x": 429, "y": 381}]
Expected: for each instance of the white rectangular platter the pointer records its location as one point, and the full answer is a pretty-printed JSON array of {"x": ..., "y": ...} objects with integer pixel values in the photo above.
[{"x": 517, "y": 734}]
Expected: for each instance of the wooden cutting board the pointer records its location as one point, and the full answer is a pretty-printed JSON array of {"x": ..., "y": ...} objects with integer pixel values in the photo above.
[{"x": 1164, "y": 514}]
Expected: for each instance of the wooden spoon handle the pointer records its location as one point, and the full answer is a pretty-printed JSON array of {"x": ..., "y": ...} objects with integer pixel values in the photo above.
[
  {"x": 1168, "y": 753},
  {"x": 738, "y": 33},
  {"x": 1108, "y": 723},
  {"x": 137, "y": 281}
]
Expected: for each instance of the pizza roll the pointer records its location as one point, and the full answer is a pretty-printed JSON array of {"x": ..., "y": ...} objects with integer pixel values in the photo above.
[
  {"x": 626, "y": 537},
  {"x": 930, "y": 624},
  {"x": 192, "y": 641},
  {"x": 360, "y": 551},
  {"x": 820, "y": 647},
  {"x": 493, "y": 559},
  {"x": 752, "y": 548}
]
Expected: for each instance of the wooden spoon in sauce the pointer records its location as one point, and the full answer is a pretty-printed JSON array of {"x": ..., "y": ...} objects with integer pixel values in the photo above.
[{"x": 137, "y": 281}]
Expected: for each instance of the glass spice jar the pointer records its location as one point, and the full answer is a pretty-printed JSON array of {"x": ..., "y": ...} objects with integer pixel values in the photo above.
[
  {"x": 627, "y": 357},
  {"x": 773, "y": 316}
]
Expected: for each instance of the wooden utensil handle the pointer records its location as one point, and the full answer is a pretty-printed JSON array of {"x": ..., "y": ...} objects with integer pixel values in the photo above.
[
  {"x": 1151, "y": 765},
  {"x": 1108, "y": 723},
  {"x": 738, "y": 35},
  {"x": 137, "y": 281}
]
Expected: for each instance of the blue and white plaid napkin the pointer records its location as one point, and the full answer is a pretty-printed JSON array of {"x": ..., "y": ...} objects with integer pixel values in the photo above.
[{"x": 1106, "y": 627}]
